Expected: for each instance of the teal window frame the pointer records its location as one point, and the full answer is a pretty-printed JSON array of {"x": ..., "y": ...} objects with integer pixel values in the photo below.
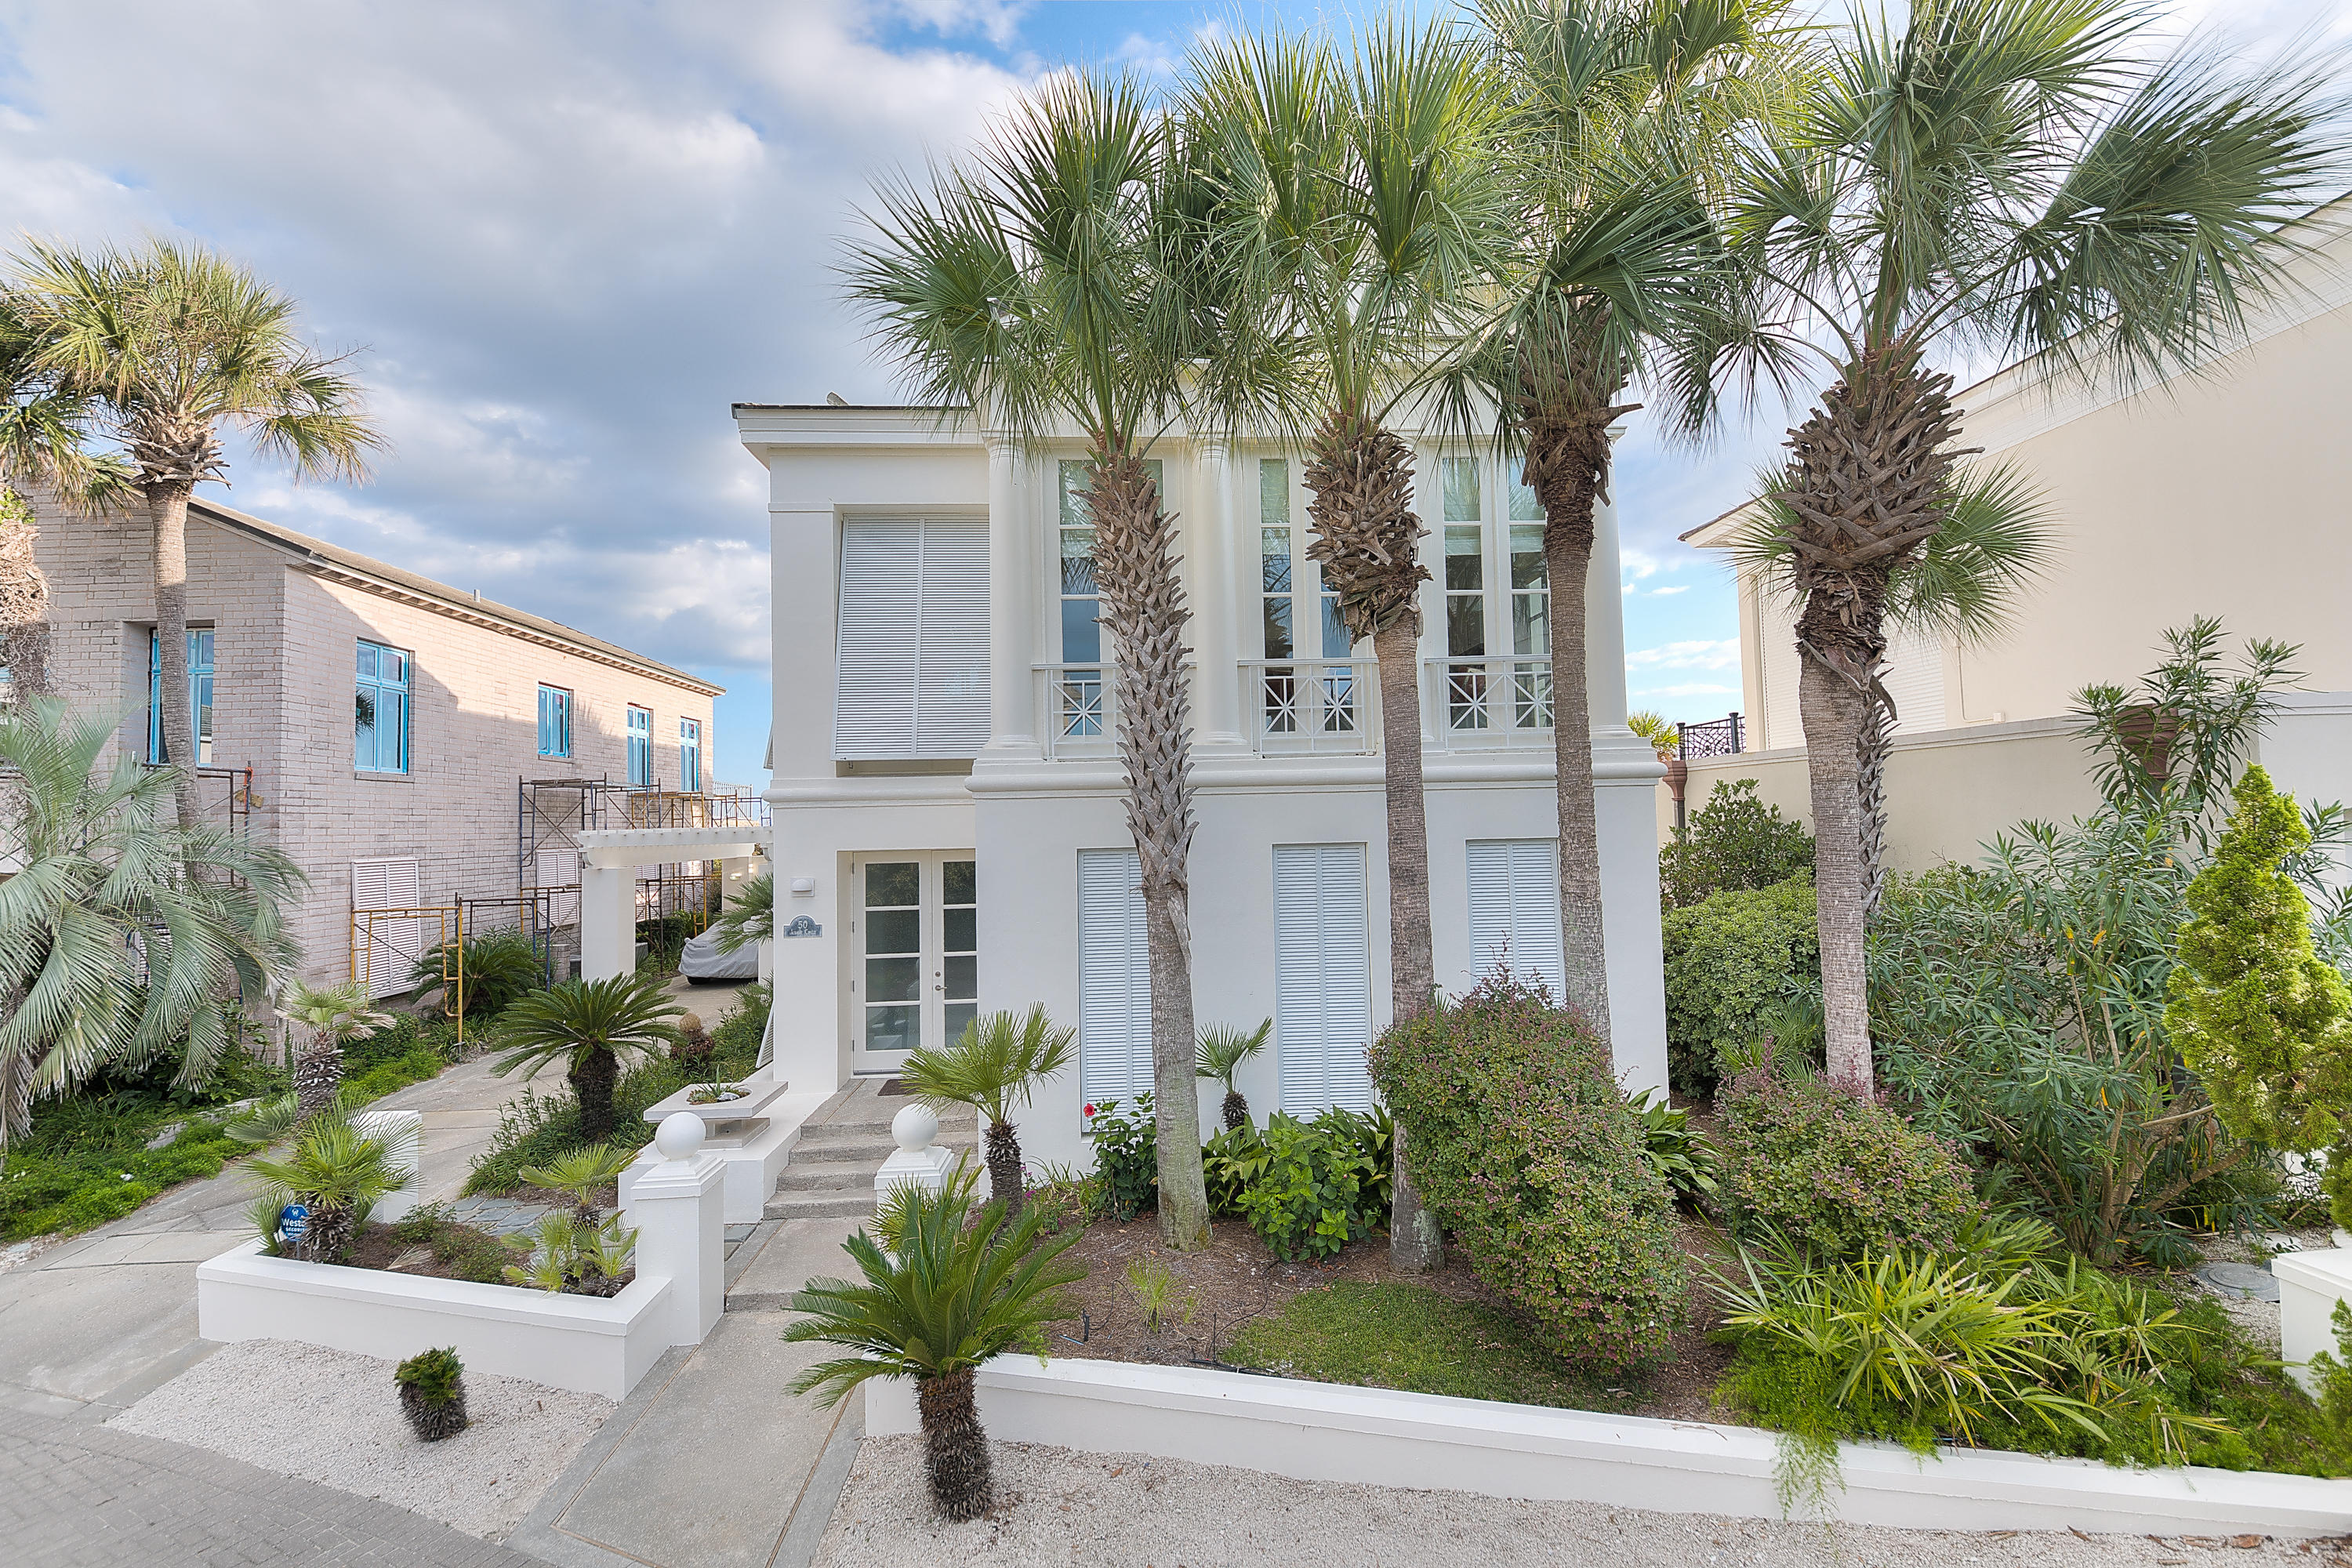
[
  {"x": 201, "y": 653},
  {"x": 386, "y": 680},
  {"x": 554, "y": 720},
  {"x": 689, "y": 755},
  {"x": 641, "y": 747}
]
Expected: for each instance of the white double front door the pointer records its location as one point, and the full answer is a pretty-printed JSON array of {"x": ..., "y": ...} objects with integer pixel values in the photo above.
[{"x": 916, "y": 963}]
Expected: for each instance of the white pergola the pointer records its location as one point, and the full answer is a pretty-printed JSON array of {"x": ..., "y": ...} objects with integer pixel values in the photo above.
[{"x": 608, "y": 903}]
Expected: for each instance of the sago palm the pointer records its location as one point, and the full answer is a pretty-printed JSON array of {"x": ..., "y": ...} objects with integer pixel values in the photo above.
[
  {"x": 1223, "y": 1049},
  {"x": 2029, "y": 177},
  {"x": 589, "y": 1025},
  {"x": 958, "y": 1288},
  {"x": 335, "y": 1016},
  {"x": 1614, "y": 107},
  {"x": 1357, "y": 199},
  {"x": 995, "y": 1066},
  {"x": 1046, "y": 282},
  {"x": 123, "y": 936},
  {"x": 171, "y": 343}
]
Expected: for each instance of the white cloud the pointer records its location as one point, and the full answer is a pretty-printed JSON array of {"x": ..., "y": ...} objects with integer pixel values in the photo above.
[
  {"x": 1675, "y": 588},
  {"x": 1695, "y": 653}
]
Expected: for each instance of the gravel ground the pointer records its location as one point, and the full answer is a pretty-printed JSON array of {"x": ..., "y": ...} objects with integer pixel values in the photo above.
[
  {"x": 334, "y": 1417},
  {"x": 1099, "y": 1509}
]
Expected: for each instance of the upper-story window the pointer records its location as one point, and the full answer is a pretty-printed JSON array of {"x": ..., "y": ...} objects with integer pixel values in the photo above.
[
  {"x": 1079, "y": 693},
  {"x": 689, "y": 755},
  {"x": 381, "y": 709},
  {"x": 1299, "y": 619},
  {"x": 554, "y": 721},
  {"x": 911, "y": 677},
  {"x": 1497, "y": 600},
  {"x": 641, "y": 746},
  {"x": 200, "y": 695}
]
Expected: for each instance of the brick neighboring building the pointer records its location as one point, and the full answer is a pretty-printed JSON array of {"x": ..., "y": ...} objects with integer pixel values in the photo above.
[{"x": 315, "y": 651}]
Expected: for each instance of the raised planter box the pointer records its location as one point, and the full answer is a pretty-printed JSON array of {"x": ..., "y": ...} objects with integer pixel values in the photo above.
[
  {"x": 754, "y": 1155},
  {"x": 1321, "y": 1431},
  {"x": 2310, "y": 1284},
  {"x": 595, "y": 1344}
]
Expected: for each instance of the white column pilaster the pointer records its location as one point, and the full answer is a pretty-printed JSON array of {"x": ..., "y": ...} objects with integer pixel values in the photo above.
[
  {"x": 1012, "y": 593},
  {"x": 1208, "y": 537},
  {"x": 608, "y": 925}
]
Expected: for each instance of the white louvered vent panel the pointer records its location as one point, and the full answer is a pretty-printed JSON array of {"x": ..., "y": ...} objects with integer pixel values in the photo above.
[
  {"x": 1915, "y": 680},
  {"x": 1114, "y": 978},
  {"x": 1515, "y": 910},
  {"x": 881, "y": 589},
  {"x": 952, "y": 711},
  {"x": 392, "y": 945},
  {"x": 1323, "y": 985},
  {"x": 1783, "y": 726}
]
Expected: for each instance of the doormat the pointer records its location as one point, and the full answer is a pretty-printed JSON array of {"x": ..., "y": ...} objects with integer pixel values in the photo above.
[{"x": 894, "y": 1085}]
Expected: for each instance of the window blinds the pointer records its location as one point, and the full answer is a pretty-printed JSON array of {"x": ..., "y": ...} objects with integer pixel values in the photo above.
[
  {"x": 912, "y": 672},
  {"x": 1114, "y": 978},
  {"x": 1322, "y": 977},
  {"x": 1515, "y": 910}
]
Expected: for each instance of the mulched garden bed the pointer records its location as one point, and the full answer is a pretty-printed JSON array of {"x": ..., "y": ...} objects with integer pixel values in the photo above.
[{"x": 1235, "y": 1280}]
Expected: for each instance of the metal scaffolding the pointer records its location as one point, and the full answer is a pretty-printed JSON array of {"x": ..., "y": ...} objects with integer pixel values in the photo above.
[{"x": 551, "y": 814}]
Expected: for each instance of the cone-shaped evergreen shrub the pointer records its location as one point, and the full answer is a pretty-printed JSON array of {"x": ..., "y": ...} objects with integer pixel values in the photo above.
[
  {"x": 2253, "y": 1010},
  {"x": 1522, "y": 1146}
]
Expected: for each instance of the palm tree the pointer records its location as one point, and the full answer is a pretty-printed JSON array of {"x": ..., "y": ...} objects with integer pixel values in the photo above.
[
  {"x": 957, "y": 1289},
  {"x": 41, "y": 433},
  {"x": 170, "y": 342},
  {"x": 1358, "y": 202},
  {"x": 336, "y": 1016},
  {"x": 750, "y": 918},
  {"x": 583, "y": 1172},
  {"x": 1223, "y": 1049},
  {"x": 588, "y": 1025},
  {"x": 337, "y": 1173},
  {"x": 1044, "y": 284},
  {"x": 2027, "y": 176},
  {"x": 1000, "y": 1059},
  {"x": 1619, "y": 275},
  {"x": 123, "y": 936}
]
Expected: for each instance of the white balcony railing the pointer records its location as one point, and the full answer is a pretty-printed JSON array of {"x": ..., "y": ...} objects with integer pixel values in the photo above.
[
  {"x": 1326, "y": 706},
  {"x": 1077, "y": 709},
  {"x": 1475, "y": 704}
]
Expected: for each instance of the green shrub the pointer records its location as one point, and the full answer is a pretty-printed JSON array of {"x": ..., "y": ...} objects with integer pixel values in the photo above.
[
  {"x": 1730, "y": 958},
  {"x": 43, "y": 1193},
  {"x": 1314, "y": 1195},
  {"x": 739, "y": 1033},
  {"x": 467, "y": 1253},
  {"x": 1834, "y": 1174},
  {"x": 1732, "y": 842},
  {"x": 432, "y": 1386},
  {"x": 1674, "y": 1149},
  {"x": 1126, "y": 1157},
  {"x": 1522, "y": 1146},
  {"x": 1230, "y": 1160},
  {"x": 499, "y": 968}
]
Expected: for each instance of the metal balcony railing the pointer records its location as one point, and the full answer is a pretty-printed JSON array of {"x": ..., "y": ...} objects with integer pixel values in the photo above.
[
  {"x": 1481, "y": 704},
  {"x": 1328, "y": 707},
  {"x": 1077, "y": 709}
]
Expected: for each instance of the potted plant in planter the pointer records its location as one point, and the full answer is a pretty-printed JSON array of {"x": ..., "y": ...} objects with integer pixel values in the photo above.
[{"x": 433, "y": 1393}]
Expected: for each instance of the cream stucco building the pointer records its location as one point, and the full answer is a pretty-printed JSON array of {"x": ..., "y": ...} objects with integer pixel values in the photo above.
[
  {"x": 2223, "y": 491},
  {"x": 949, "y": 831}
]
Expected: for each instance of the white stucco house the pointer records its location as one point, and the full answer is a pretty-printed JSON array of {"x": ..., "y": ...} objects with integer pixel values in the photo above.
[{"x": 949, "y": 836}]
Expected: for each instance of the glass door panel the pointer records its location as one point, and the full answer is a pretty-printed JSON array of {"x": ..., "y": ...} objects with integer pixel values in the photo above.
[
  {"x": 894, "y": 955},
  {"x": 918, "y": 967}
]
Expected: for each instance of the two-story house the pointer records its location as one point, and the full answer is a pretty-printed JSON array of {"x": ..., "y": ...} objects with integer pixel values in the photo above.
[
  {"x": 949, "y": 837},
  {"x": 375, "y": 724}
]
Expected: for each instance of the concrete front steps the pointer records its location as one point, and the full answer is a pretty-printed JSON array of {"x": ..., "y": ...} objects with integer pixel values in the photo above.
[{"x": 841, "y": 1145}]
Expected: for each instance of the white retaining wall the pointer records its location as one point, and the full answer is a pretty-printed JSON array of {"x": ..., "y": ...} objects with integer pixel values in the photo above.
[
  {"x": 1317, "y": 1431},
  {"x": 2310, "y": 1285}
]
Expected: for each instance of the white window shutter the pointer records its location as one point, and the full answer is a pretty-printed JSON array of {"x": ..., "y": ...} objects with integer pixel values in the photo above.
[
  {"x": 1514, "y": 911},
  {"x": 912, "y": 646},
  {"x": 1915, "y": 680},
  {"x": 1114, "y": 977},
  {"x": 388, "y": 955},
  {"x": 1323, "y": 981}
]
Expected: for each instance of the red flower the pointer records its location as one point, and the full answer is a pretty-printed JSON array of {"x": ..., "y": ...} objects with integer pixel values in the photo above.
[{"x": 1090, "y": 1111}]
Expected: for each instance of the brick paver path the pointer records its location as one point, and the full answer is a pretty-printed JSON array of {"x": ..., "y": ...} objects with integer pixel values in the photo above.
[{"x": 72, "y": 1492}]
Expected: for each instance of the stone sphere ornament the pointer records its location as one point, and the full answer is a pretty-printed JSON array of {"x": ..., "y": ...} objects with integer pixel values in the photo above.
[
  {"x": 914, "y": 1127},
  {"x": 679, "y": 1136}
]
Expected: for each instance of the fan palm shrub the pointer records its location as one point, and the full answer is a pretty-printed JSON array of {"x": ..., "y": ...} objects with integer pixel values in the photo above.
[
  {"x": 589, "y": 1025},
  {"x": 1357, "y": 198},
  {"x": 1057, "y": 279},
  {"x": 2029, "y": 177},
  {"x": 958, "y": 1288},
  {"x": 123, "y": 937},
  {"x": 492, "y": 971},
  {"x": 750, "y": 918},
  {"x": 581, "y": 1173},
  {"x": 170, "y": 342},
  {"x": 337, "y": 1173},
  {"x": 996, "y": 1064},
  {"x": 1223, "y": 1049},
  {"x": 336, "y": 1016}
]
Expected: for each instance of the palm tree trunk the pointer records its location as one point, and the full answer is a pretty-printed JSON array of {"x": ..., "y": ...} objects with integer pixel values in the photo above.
[
  {"x": 1236, "y": 1110},
  {"x": 24, "y": 600},
  {"x": 592, "y": 1085},
  {"x": 1143, "y": 609},
  {"x": 318, "y": 1079},
  {"x": 955, "y": 1446},
  {"x": 1831, "y": 704},
  {"x": 1567, "y": 468},
  {"x": 1415, "y": 1243},
  {"x": 1878, "y": 738},
  {"x": 1004, "y": 1167},
  {"x": 167, "y": 509}
]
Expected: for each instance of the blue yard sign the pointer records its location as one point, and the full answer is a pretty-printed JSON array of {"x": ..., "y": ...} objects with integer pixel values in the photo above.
[{"x": 293, "y": 1220}]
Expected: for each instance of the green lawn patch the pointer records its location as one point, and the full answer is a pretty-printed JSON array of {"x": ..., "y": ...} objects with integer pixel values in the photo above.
[{"x": 1411, "y": 1338}]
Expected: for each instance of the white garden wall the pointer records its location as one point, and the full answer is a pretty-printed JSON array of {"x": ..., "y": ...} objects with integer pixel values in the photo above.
[{"x": 1317, "y": 1431}]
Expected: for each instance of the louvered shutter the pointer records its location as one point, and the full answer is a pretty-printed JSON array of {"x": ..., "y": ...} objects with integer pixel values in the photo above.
[
  {"x": 388, "y": 948},
  {"x": 912, "y": 648},
  {"x": 1323, "y": 983},
  {"x": 1915, "y": 680},
  {"x": 1114, "y": 977},
  {"x": 1515, "y": 910}
]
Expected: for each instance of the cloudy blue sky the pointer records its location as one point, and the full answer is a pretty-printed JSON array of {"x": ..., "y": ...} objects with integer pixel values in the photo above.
[{"x": 564, "y": 237}]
